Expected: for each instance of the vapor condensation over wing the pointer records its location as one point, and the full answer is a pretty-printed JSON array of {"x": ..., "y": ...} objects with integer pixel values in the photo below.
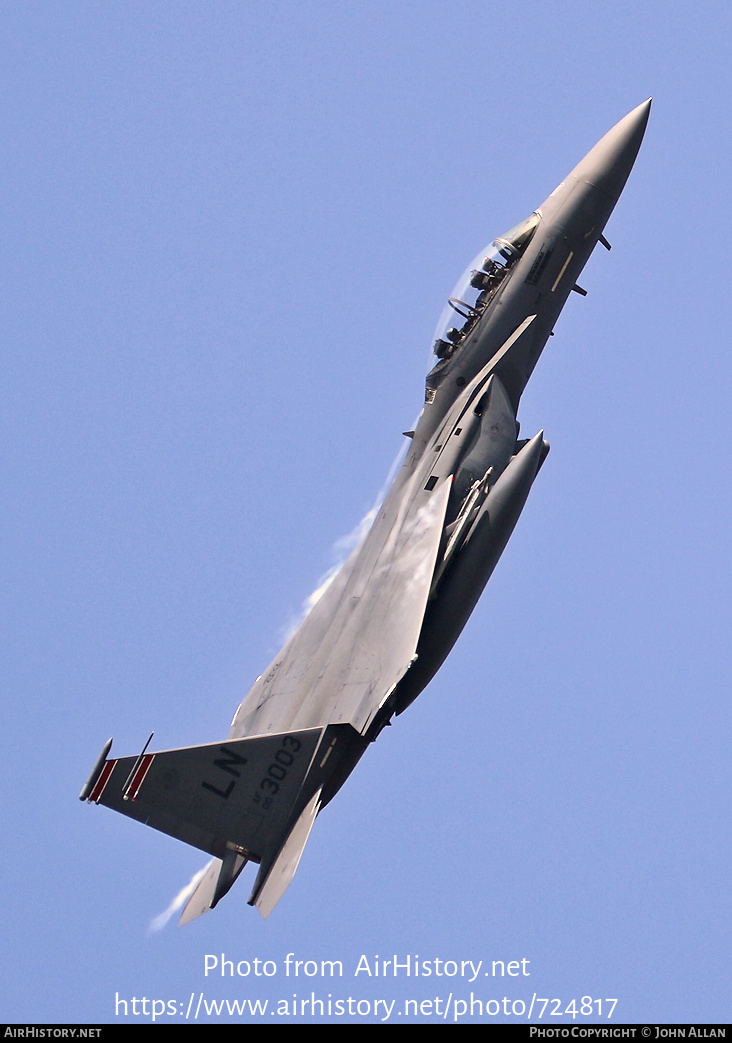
[{"x": 345, "y": 544}]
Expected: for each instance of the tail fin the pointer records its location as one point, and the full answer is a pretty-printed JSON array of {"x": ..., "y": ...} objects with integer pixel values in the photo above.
[
  {"x": 234, "y": 800},
  {"x": 252, "y": 799}
]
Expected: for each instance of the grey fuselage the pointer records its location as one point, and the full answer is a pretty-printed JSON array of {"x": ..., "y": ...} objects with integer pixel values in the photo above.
[
  {"x": 384, "y": 625},
  {"x": 324, "y": 675}
]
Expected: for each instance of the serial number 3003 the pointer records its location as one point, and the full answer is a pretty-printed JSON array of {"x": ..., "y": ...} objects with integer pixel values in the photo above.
[{"x": 277, "y": 772}]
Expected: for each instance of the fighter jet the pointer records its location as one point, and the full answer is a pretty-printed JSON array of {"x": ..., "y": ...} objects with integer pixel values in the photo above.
[{"x": 383, "y": 627}]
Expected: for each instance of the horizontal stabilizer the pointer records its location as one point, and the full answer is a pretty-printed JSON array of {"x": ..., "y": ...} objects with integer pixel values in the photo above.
[
  {"x": 232, "y": 799},
  {"x": 266, "y": 896},
  {"x": 201, "y": 900}
]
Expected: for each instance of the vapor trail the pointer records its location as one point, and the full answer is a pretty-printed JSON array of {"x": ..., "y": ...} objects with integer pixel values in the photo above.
[
  {"x": 345, "y": 544},
  {"x": 180, "y": 899}
]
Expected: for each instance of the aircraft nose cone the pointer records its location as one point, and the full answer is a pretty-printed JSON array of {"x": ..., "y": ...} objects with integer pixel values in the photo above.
[{"x": 609, "y": 163}]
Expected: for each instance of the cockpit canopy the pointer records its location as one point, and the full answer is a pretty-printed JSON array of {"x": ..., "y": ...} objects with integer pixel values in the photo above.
[{"x": 478, "y": 285}]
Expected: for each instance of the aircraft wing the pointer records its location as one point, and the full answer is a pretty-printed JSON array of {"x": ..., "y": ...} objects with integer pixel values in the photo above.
[{"x": 361, "y": 637}]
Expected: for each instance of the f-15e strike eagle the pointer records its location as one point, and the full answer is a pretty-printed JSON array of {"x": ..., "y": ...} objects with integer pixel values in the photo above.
[{"x": 387, "y": 621}]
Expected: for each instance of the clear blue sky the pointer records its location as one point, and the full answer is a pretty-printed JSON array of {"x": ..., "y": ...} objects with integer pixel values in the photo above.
[{"x": 228, "y": 231}]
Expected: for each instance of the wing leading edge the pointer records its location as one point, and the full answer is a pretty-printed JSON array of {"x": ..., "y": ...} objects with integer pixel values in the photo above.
[
  {"x": 255, "y": 797},
  {"x": 361, "y": 637}
]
